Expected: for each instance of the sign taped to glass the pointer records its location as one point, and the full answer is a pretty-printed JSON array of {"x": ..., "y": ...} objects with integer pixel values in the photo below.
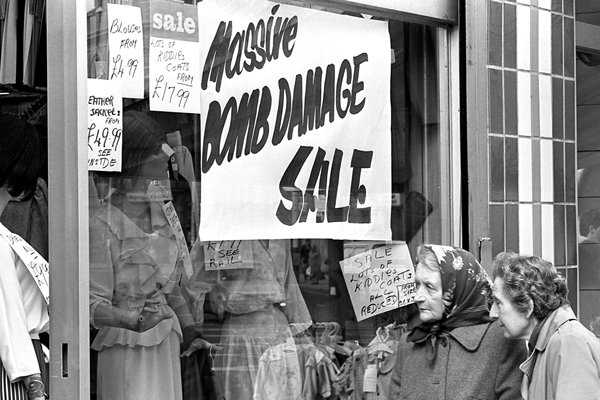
[
  {"x": 292, "y": 100},
  {"x": 104, "y": 125},
  {"x": 126, "y": 46},
  {"x": 380, "y": 279},
  {"x": 173, "y": 81}
]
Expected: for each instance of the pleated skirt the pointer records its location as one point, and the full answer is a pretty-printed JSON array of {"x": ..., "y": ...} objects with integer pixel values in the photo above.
[
  {"x": 11, "y": 391},
  {"x": 140, "y": 373},
  {"x": 18, "y": 391}
]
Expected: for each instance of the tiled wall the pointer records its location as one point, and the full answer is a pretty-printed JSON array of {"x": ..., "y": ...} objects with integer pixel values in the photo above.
[{"x": 531, "y": 131}]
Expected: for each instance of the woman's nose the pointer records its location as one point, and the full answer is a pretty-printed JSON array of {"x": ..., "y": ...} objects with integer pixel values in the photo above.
[
  {"x": 419, "y": 298},
  {"x": 494, "y": 311}
]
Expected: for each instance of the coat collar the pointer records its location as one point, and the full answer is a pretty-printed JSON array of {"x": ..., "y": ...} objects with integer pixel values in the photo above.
[
  {"x": 470, "y": 337},
  {"x": 550, "y": 325},
  {"x": 554, "y": 321}
]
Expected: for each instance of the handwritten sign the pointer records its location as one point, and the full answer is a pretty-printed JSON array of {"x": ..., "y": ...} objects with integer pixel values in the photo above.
[
  {"x": 175, "y": 225},
  {"x": 226, "y": 254},
  {"x": 126, "y": 47},
  {"x": 173, "y": 79},
  {"x": 296, "y": 123},
  {"x": 380, "y": 279},
  {"x": 35, "y": 263},
  {"x": 104, "y": 125}
]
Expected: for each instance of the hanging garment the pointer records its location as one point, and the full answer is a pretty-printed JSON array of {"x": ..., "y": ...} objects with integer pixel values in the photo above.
[
  {"x": 278, "y": 375},
  {"x": 8, "y": 57},
  {"x": 33, "y": 15},
  {"x": 351, "y": 381},
  {"x": 258, "y": 303}
]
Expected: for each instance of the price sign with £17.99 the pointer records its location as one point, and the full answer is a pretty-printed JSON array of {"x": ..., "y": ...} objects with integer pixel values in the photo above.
[{"x": 173, "y": 82}]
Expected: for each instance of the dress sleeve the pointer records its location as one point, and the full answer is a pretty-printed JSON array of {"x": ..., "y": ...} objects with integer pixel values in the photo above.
[
  {"x": 199, "y": 284},
  {"x": 101, "y": 266},
  {"x": 16, "y": 350},
  {"x": 572, "y": 369},
  {"x": 509, "y": 376},
  {"x": 295, "y": 310}
]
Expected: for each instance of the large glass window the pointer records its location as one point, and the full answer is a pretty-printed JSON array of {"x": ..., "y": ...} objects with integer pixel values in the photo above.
[
  {"x": 588, "y": 195},
  {"x": 282, "y": 306}
]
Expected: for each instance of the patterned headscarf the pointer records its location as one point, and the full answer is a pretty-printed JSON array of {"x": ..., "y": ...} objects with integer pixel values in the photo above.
[{"x": 466, "y": 289}]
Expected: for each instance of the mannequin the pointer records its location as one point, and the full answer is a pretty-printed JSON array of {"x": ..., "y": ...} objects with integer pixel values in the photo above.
[{"x": 135, "y": 269}]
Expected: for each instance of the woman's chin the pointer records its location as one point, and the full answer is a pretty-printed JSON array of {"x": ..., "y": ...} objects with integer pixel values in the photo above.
[{"x": 425, "y": 316}]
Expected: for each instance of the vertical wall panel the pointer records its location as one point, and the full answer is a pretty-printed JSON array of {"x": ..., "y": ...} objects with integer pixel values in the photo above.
[
  {"x": 539, "y": 170},
  {"x": 495, "y": 34},
  {"x": 510, "y": 35},
  {"x": 524, "y": 103},
  {"x": 495, "y": 101},
  {"x": 496, "y": 169},
  {"x": 510, "y": 102}
]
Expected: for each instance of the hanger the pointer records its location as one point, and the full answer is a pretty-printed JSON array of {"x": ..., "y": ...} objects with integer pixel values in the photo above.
[{"x": 379, "y": 344}]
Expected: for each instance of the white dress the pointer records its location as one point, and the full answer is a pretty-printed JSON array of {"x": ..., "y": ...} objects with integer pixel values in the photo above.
[
  {"x": 23, "y": 315},
  {"x": 126, "y": 264}
]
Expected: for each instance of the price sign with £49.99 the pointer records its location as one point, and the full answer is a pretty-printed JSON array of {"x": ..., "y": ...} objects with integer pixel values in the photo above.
[{"x": 104, "y": 125}]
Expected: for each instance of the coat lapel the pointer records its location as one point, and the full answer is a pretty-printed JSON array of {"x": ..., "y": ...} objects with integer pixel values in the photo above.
[{"x": 470, "y": 337}]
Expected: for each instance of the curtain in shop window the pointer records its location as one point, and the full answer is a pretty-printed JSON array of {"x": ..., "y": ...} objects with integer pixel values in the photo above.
[
  {"x": 414, "y": 97},
  {"x": 422, "y": 74}
]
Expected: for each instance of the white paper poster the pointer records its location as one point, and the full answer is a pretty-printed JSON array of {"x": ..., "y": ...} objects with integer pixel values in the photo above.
[
  {"x": 126, "y": 49},
  {"x": 380, "y": 279},
  {"x": 104, "y": 125},
  {"x": 173, "y": 81},
  {"x": 227, "y": 254},
  {"x": 295, "y": 123}
]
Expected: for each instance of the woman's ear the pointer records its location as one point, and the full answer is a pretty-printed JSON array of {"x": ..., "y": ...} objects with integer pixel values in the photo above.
[{"x": 530, "y": 308}]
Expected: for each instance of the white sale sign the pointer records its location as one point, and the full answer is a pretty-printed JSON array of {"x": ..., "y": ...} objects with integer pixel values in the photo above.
[{"x": 295, "y": 123}]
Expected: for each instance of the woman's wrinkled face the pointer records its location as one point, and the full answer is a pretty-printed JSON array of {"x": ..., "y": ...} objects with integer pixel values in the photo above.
[
  {"x": 515, "y": 324},
  {"x": 429, "y": 293}
]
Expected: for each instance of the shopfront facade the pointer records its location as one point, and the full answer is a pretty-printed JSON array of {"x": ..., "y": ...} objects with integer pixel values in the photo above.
[{"x": 483, "y": 146}]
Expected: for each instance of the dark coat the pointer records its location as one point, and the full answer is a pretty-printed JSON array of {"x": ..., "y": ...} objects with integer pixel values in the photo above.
[{"x": 475, "y": 362}]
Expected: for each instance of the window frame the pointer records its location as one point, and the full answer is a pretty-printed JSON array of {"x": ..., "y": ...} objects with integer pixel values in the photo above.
[{"x": 68, "y": 177}]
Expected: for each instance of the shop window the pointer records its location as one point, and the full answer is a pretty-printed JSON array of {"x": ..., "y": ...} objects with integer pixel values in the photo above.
[
  {"x": 277, "y": 297},
  {"x": 588, "y": 195}
]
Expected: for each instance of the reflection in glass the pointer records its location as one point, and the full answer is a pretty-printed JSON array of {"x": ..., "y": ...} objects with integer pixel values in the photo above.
[
  {"x": 256, "y": 319},
  {"x": 135, "y": 268},
  {"x": 252, "y": 293}
]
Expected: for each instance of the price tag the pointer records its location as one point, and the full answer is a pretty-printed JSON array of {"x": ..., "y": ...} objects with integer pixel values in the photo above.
[
  {"x": 370, "y": 379},
  {"x": 227, "y": 254},
  {"x": 173, "y": 220}
]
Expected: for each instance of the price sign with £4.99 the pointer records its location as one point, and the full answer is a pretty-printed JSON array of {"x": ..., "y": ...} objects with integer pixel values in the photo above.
[{"x": 126, "y": 46}]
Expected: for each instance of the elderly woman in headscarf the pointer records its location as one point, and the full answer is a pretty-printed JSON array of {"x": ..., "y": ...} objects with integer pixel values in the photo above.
[{"x": 455, "y": 350}]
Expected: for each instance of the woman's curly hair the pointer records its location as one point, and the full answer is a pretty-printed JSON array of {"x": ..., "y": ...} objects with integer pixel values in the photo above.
[{"x": 531, "y": 277}]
